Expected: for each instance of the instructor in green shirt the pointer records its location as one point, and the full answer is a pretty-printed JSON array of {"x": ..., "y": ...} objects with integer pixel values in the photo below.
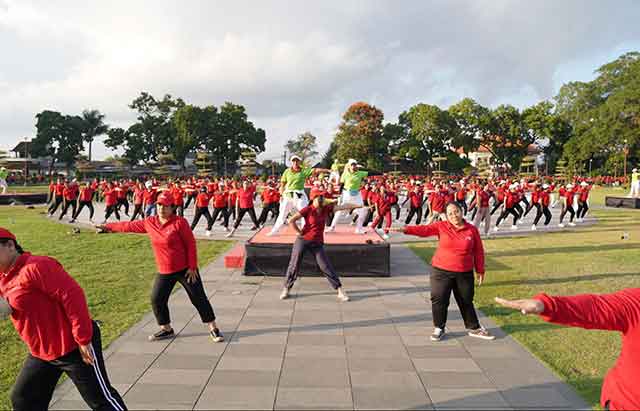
[{"x": 352, "y": 179}]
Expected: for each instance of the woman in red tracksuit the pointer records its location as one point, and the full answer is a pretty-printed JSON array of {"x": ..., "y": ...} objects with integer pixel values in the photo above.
[
  {"x": 459, "y": 252},
  {"x": 49, "y": 311},
  {"x": 110, "y": 202},
  {"x": 202, "y": 209},
  {"x": 174, "y": 247},
  {"x": 244, "y": 204},
  {"x": 85, "y": 199},
  {"x": 619, "y": 312},
  {"x": 383, "y": 211},
  {"x": 138, "y": 202}
]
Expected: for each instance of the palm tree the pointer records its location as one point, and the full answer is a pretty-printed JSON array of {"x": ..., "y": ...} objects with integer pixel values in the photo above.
[{"x": 94, "y": 126}]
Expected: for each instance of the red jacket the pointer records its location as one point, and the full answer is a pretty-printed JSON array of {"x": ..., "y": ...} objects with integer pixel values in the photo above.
[
  {"x": 459, "y": 250},
  {"x": 616, "y": 312},
  {"x": 50, "y": 311},
  {"x": 173, "y": 243}
]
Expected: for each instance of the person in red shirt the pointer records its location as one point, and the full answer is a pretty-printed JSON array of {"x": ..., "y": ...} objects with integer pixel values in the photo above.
[
  {"x": 58, "y": 197},
  {"x": 544, "y": 198},
  {"x": 437, "y": 204},
  {"x": 221, "y": 205},
  {"x": 481, "y": 204},
  {"x": 52, "y": 192},
  {"x": 174, "y": 247},
  {"x": 415, "y": 199},
  {"x": 121, "y": 190},
  {"x": 567, "y": 205},
  {"x": 583, "y": 201},
  {"x": 178, "y": 198},
  {"x": 138, "y": 201},
  {"x": 84, "y": 200},
  {"x": 270, "y": 203},
  {"x": 70, "y": 197},
  {"x": 110, "y": 202},
  {"x": 383, "y": 211},
  {"x": 461, "y": 196},
  {"x": 620, "y": 312},
  {"x": 244, "y": 204},
  {"x": 311, "y": 238},
  {"x": 50, "y": 313},
  {"x": 459, "y": 251},
  {"x": 149, "y": 199},
  {"x": 202, "y": 209},
  {"x": 511, "y": 199},
  {"x": 499, "y": 195}
]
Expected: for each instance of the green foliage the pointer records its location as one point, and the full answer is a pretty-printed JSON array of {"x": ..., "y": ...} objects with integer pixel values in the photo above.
[
  {"x": 304, "y": 145},
  {"x": 360, "y": 136},
  {"x": 94, "y": 126},
  {"x": 58, "y": 136},
  {"x": 329, "y": 157}
]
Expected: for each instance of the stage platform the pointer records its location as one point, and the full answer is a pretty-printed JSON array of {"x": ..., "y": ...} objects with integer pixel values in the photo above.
[
  {"x": 622, "y": 202},
  {"x": 352, "y": 255},
  {"x": 23, "y": 198}
]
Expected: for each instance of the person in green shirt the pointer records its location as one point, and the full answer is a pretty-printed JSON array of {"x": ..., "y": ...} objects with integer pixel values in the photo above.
[
  {"x": 635, "y": 184},
  {"x": 352, "y": 178},
  {"x": 334, "y": 177},
  {"x": 3, "y": 179},
  {"x": 292, "y": 190}
]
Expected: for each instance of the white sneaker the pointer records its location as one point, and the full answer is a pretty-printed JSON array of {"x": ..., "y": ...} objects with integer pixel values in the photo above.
[
  {"x": 329, "y": 229},
  {"x": 353, "y": 223},
  {"x": 572, "y": 224},
  {"x": 91, "y": 221},
  {"x": 360, "y": 231},
  {"x": 481, "y": 333},
  {"x": 533, "y": 228},
  {"x": 342, "y": 296},
  {"x": 284, "y": 294},
  {"x": 496, "y": 229},
  {"x": 207, "y": 233},
  {"x": 514, "y": 227},
  {"x": 438, "y": 334},
  {"x": 231, "y": 233},
  {"x": 561, "y": 225},
  {"x": 385, "y": 236},
  {"x": 226, "y": 229}
]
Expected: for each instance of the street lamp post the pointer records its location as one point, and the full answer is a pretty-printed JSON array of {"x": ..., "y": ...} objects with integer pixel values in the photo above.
[
  {"x": 590, "y": 161},
  {"x": 26, "y": 160},
  {"x": 625, "y": 150}
]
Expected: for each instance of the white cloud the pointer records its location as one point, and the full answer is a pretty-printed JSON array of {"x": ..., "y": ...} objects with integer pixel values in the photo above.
[{"x": 296, "y": 66}]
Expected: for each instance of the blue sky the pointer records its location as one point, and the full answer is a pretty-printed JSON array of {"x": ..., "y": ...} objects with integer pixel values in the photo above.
[{"x": 296, "y": 66}]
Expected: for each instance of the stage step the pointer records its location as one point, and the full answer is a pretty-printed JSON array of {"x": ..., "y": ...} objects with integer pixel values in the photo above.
[{"x": 235, "y": 257}]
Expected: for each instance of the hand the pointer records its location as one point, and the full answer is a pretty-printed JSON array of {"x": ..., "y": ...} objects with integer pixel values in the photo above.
[
  {"x": 192, "y": 276},
  {"x": 527, "y": 306},
  {"x": 396, "y": 230},
  {"x": 101, "y": 228},
  {"x": 480, "y": 278},
  {"x": 86, "y": 353}
]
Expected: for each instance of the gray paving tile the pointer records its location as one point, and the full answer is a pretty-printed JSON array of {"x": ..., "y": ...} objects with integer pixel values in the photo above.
[
  {"x": 237, "y": 398},
  {"x": 249, "y": 363},
  {"x": 256, "y": 378},
  {"x": 432, "y": 351},
  {"x": 304, "y": 372},
  {"x": 165, "y": 394},
  {"x": 446, "y": 364},
  {"x": 398, "y": 398},
  {"x": 380, "y": 364},
  {"x": 316, "y": 352},
  {"x": 472, "y": 399},
  {"x": 386, "y": 381},
  {"x": 156, "y": 375},
  {"x": 373, "y": 351},
  {"x": 255, "y": 350},
  {"x": 536, "y": 397},
  {"x": 70, "y": 405},
  {"x": 317, "y": 339},
  {"x": 186, "y": 362},
  {"x": 456, "y": 380},
  {"x": 313, "y": 398}
]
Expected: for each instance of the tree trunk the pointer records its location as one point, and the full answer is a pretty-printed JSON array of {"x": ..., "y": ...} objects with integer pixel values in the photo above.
[{"x": 90, "y": 141}]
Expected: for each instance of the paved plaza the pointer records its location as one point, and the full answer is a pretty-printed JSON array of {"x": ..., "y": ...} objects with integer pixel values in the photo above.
[{"x": 312, "y": 352}]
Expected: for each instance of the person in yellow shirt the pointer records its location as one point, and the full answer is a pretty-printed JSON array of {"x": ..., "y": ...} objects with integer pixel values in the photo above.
[{"x": 352, "y": 179}]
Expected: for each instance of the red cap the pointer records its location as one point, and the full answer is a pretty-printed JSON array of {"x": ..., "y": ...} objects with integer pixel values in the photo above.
[
  {"x": 4, "y": 233},
  {"x": 165, "y": 199}
]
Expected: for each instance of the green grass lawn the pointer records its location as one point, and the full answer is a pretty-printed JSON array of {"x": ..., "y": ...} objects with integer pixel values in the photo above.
[
  {"x": 589, "y": 260},
  {"x": 116, "y": 272}
]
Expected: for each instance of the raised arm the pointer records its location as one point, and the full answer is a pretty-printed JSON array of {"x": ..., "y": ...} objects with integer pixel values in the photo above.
[{"x": 137, "y": 226}]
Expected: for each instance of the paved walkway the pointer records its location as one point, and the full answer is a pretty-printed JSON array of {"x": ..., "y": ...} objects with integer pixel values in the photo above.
[{"x": 314, "y": 352}]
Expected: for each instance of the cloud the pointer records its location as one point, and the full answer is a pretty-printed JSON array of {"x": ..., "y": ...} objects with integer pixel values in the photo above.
[{"x": 296, "y": 66}]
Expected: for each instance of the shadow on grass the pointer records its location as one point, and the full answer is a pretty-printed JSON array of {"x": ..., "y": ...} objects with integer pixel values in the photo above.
[
  {"x": 562, "y": 250},
  {"x": 560, "y": 280}
]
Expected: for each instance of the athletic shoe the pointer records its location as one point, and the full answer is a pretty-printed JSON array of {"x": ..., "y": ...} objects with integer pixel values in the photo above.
[
  {"x": 162, "y": 335},
  {"x": 353, "y": 223},
  {"x": 496, "y": 229},
  {"x": 91, "y": 221},
  {"x": 514, "y": 227},
  {"x": 482, "y": 334},
  {"x": 572, "y": 224},
  {"x": 561, "y": 225},
  {"x": 207, "y": 233},
  {"x": 329, "y": 229},
  {"x": 284, "y": 294},
  {"x": 385, "y": 236},
  {"x": 72, "y": 221},
  {"x": 231, "y": 233},
  {"x": 254, "y": 228},
  {"x": 360, "y": 231},
  {"x": 216, "y": 335},
  {"x": 226, "y": 229},
  {"x": 438, "y": 334},
  {"x": 533, "y": 228},
  {"x": 342, "y": 296}
]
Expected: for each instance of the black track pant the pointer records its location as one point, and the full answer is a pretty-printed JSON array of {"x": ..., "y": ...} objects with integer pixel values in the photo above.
[
  {"x": 462, "y": 284},
  {"x": 565, "y": 210},
  {"x": 110, "y": 210},
  {"x": 84, "y": 204},
  {"x": 57, "y": 200},
  {"x": 506, "y": 213},
  {"x": 67, "y": 204},
  {"x": 583, "y": 207},
  {"x": 519, "y": 210},
  {"x": 496, "y": 206},
  {"x": 161, "y": 292},
  {"x": 34, "y": 386},
  {"x": 417, "y": 211},
  {"x": 396, "y": 207},
  {"x": 542, "y": 209},
  {"x": 242, "y": 212},
  {"x": 125, "y": 203},
  {"x": 530, "y": 207},
  {"x": 317, "y": 249},
  {"x": 190, "y": 198},
  {"x": 223, "y": 212},
  {"x": 137, "y": 211},
  {"x": 202, "y": 211},
  {"x": 274, "y": 208}
]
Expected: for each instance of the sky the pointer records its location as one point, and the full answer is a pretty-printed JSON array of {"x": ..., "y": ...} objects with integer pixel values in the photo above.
[{"x": 297, "y": 65}]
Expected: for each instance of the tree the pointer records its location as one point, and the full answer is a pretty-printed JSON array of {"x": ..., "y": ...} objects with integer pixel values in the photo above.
[
  {"x": 429, "y": 132},
  {"x": 547, "y": 129},
  {"x": 189, "y": 122},
  {"x": 329, "y": 156},
  {"x": 59, "y": 137},
  {"x": 94, "y": 126},
  {"x": 508, "y": 140},
  {"x": 359, "y": 135},
  {"x": 474, "y": 122},
  {"x": 303, "y": 146}
]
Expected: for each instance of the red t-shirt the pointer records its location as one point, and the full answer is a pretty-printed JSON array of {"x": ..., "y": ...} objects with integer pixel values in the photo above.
[
  {"x": 70, "y": 193},
  {"x": 545, "y": 198},
  {"x": 59, "y": 189},
  {"x": 314, "y": 222},
  {"x": 416, "y": 199},
  {"x": 177, "y": 194},
  {"x": 149, "y": 196},
  {"x": 569, "y": 196},
  {"x": 202, "y": 200},
  {"x": 220, "y": 199},
  {"x": 86, "y": 194},
  {"x": 245, "y": 197},
  {"x": 459, "y": 250},
  {"x": 461, "y": 194},
  {"x": 110, "y": 197},
  {"x": 138, "y": 196},
  {"x": 50, "y": 310},
  {"x": 584, "y": 194},
  {"x": 438, "y": 202},
  {"x": 482, "y": 197},
  {"x": 173, "y": 243},
  {"x": 535, "y": 196},
  {"x": 121, "y": 192}
]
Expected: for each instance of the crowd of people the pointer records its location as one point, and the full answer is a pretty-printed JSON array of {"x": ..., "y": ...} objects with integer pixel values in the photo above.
[{"x": 487, "y": 203}]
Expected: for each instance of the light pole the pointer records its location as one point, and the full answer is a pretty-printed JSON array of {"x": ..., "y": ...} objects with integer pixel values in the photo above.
[
  {"x": 590, "y": 161},
  {"x": 26, "y": 160},
  {"x": 625, "y": 150}
]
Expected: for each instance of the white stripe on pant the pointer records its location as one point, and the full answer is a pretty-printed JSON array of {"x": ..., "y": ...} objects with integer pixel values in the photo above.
[
  {"x": 289, "y": 201},
  {"x": 103, "y": 385}
]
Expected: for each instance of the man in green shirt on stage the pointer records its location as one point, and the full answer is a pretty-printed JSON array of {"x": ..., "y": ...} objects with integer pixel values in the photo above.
[
  {"x": 292, "y": 190},
  {"x": 352, "y": 179},
  {"x": 635, "y": 184}
]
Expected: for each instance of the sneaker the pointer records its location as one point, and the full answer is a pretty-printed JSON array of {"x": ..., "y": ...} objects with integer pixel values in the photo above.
[
  {"x": 254, "y": 228},
  {"x": 230, "y": 233},
  {"x": 572, "y": 224},
  {"x": 360, "y": 231},
  {"x": 561, "y": 225},
  {"x": 284, "y": 294},
  {"x": 91, "y": 221},
  {"x": 533, "y": 228},
  {"x": 207, "y": 233},
  {"x": 73, "y": 221},
  {"x": 216, "y": 335},
  {"x": 162, "y": 335},
  {"x": 385, "y": 236},
  {"x": 226, "y": 229},
  {"x": 438, "y": 334},
  {"x": 482, "y": 334},
  {"x": 329, "y": 229},
  {"x": 342, "y": 296},
  {"x": 496, "y": 229},
  {"x": 514, "y": 227},
  {"x": 353, "y": 223}
]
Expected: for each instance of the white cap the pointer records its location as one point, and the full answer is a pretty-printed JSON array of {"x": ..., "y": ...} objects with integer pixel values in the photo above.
[
  {"x": 2, "y": 168},
  {"x": 148, "y": 184},
  {"x": 352, "y": 161},
  {"x": 633, "y": 171},
  {"x": 295, "y": 157},
  {"x": 569, "y": 185},
  {"x": 545, "y": 186},
  {"x": 584, "y": 184}
]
